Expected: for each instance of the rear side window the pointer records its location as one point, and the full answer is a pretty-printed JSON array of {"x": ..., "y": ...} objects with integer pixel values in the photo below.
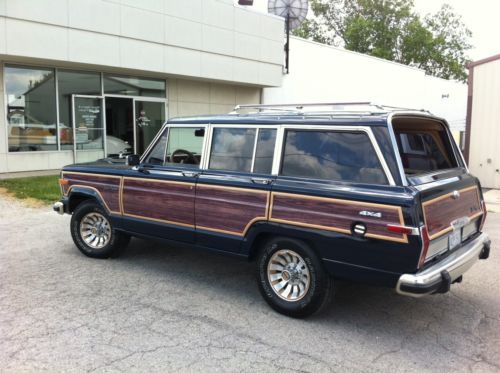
[
  {"x": 331, "y": 155},
  {"x": 424, "y": 147},
  {"x": 264, "y": 151},
  {"x": 232, "y": 149}
]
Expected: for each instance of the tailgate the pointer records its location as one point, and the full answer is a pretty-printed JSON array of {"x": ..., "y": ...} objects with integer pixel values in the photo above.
[
  {"x": 452, "y": 213},
  {"x": 458, "y": 207}
]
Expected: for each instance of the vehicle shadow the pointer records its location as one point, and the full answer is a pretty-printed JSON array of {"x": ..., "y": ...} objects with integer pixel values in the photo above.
[{"x": 353, "y": 303}]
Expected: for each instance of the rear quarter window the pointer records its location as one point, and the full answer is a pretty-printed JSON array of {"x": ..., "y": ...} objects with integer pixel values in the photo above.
[{"x": 331, "y": 155}]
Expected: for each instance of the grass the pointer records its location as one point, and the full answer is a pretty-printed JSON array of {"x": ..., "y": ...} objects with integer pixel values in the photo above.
[{"x": 41, "y": 188}]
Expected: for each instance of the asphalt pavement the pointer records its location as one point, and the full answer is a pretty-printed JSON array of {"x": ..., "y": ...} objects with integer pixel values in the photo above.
[{"x": 163, "y": 309}]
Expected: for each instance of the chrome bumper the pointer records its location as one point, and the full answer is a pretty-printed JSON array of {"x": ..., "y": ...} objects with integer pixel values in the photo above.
[
  {"x": 59, "y": 207},
  {"x": 439, "y": 277}
]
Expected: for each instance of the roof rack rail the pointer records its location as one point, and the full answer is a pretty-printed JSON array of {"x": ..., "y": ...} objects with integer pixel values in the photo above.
[{"x": 336, "y": 107}]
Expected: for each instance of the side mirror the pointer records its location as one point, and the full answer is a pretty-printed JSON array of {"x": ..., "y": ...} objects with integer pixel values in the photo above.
[{"x": 132, "y": 160}]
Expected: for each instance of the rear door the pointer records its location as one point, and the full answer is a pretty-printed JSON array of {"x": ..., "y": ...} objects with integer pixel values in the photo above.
[
  {"x": 233, "y": 193},
  {"x": 451, "y": 200}
]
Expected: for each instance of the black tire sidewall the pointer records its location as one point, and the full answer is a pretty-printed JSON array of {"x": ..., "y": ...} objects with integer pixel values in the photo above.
[
  {"x": 80, "y": 212},
  {"x": 319, "y": 290}
]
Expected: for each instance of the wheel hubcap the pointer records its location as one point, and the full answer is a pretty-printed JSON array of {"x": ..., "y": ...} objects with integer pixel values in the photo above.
[
  {"x": 288, "y": 275},
  {"x": 95, "y": 230}
]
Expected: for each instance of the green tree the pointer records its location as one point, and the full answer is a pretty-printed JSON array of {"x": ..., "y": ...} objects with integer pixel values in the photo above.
[{"x": 391, "y": 29}]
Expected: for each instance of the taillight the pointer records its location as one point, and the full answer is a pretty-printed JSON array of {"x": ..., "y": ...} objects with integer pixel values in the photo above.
[
  {"x": 400, "y": 229},
  {"x": 483, "y": 218},
  {"x": 425, "y": 245}
]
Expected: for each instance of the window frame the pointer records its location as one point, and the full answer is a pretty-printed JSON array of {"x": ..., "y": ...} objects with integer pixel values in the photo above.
[
  {"x": 279, "y": 145},
  {"x": 167, "y": 127}
]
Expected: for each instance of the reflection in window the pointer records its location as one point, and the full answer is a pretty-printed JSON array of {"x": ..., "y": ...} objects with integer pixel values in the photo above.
[
  {"x": 31, "y": 109},
  {"x": 185, "y": 146},
  {"x": 130, "y": 86},
  {"x": 265, "y": 151},
  {"x": 70, "y": 83},
  {"x": 343, "y": 156},
  {"x": 232, "y": 149},
  {"x": 157, "y": 153}
]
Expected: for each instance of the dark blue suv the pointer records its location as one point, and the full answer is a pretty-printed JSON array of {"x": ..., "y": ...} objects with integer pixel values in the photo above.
[{"x": 312, "y": 193}]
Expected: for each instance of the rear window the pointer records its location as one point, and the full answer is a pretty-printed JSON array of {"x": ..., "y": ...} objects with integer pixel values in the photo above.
[
  {"x": 424, "y": 146},
  {"x": 331, "y": 155}
]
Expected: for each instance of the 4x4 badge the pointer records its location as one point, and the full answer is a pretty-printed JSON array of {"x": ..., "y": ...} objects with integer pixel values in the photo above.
[{"x": 371, "y": 214}]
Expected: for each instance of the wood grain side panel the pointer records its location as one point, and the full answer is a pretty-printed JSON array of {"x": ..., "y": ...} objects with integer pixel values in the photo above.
[
  {"x": 107, "y": 186},
  {"x": 440, "y": 212},
  {"x": 335, "y": 215},
  {"x": 158, "y": 200},
  {"x": 229, "y": 210}
]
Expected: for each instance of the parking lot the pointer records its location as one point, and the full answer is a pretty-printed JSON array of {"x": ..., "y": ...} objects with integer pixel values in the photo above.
[{"x": 167, "y": 309}]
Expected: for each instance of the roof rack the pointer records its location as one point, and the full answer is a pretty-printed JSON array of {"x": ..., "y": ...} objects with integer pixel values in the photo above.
[{"x": 336, "y": 107}]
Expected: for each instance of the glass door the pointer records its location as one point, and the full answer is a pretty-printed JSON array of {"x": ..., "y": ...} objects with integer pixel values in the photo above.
[
  {"x": 89, "y": 137},
  {"x": 149, "y": 117}
]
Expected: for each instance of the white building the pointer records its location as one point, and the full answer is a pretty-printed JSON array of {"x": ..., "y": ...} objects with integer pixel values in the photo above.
[
  {"x": 322, "y": 73},
  {"x": 75, "y": 72},
  {"x": 483, "y": 121}
]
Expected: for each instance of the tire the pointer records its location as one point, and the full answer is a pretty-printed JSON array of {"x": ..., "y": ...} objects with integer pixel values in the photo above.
[
  {"x": 306, "y": 287},
  {"x": 91, "y": 220}
]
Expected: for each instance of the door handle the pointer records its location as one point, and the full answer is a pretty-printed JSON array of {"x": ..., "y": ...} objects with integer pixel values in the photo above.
[
  {"x": 190, "y": 173},
  {"x": 263, "y": 181}
]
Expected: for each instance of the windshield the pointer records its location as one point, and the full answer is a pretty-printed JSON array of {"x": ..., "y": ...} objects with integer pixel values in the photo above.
[{"x": 424, "y": 145}]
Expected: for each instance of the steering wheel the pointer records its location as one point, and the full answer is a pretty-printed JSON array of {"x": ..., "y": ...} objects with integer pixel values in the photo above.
[{"x": 191, "y": 159}]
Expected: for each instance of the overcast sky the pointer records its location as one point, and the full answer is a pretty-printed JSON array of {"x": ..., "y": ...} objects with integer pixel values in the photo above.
[{"x": 480, "y": 16}]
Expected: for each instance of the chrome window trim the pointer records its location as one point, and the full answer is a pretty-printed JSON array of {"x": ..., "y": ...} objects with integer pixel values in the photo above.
[
  {"x": 395, "y": 147},
  {"x": 365, "y": 129}
]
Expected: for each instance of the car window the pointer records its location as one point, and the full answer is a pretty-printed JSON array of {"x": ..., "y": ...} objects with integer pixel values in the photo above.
[
  {"x": 424, "y": 151},
  {"x": 157, "y": 153},
  {"x": 232, "y": 149},
  {"x": 264, "y": 151},
  {"x": 185, "y": 146},
  {"x": 331, "y": 155}
]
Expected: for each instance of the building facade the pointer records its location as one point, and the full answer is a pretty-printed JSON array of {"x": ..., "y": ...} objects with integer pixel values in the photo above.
[
  {"x": 483, "y": 121},
  {"x": 83, "y": 79},
  {"x": 323, "y": 73}
]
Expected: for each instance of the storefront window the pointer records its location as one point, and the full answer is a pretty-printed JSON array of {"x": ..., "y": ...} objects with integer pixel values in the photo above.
[
  {"x": 130, "y": 86},
  {"x": 70, "y": 83},
  {"x": 31, "y": 108}
]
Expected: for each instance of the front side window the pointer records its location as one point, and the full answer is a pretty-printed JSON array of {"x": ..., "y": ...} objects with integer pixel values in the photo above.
[
  {"x": 157, "y": 153},
  {"x": 232, "y": 149},
  {"x": 331, "y": 155},
  {"x": 31, "y": 109},
  {"x": 185, "y": 146}
]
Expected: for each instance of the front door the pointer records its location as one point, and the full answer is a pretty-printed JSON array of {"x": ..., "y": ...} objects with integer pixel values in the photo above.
[
  {"x": 88, "y": 128},
  {"x": 158, "y": 197}
]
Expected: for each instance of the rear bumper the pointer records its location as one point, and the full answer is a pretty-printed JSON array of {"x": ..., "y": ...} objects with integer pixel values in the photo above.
[{"x": 439, "y": 277}]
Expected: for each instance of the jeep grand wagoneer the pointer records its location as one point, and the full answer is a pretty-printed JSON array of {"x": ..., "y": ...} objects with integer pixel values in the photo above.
[{"x": 312, "y": 193}]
